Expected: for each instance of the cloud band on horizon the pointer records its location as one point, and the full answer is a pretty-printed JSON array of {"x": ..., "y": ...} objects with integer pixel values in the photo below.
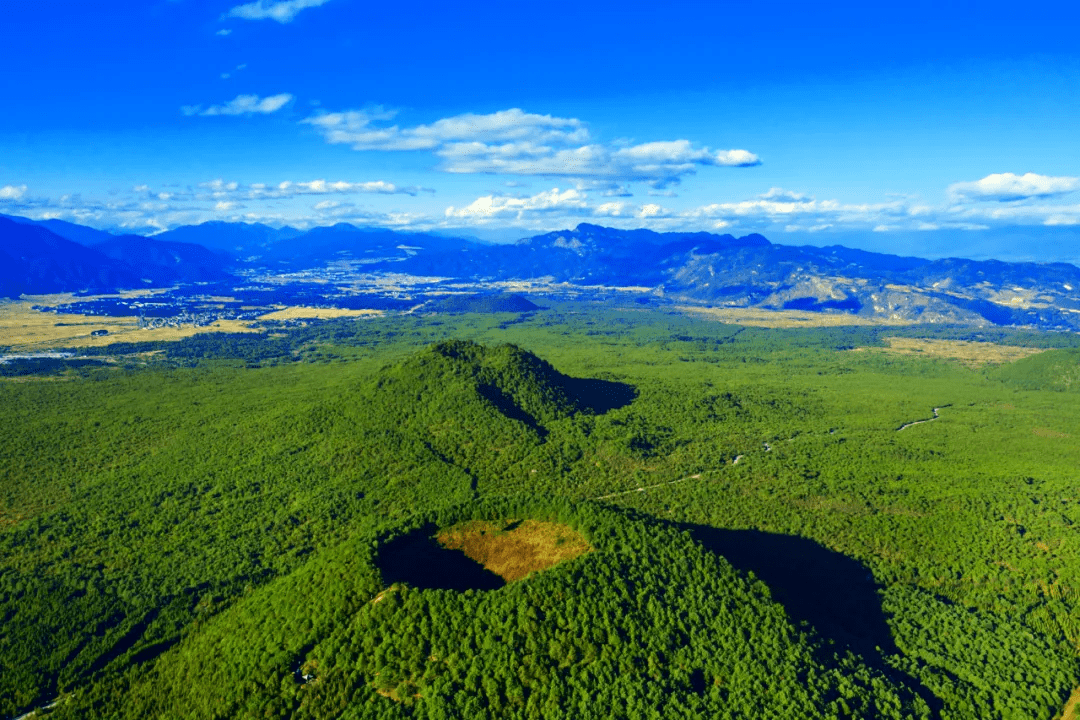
[{"x": 515, "y": 142}]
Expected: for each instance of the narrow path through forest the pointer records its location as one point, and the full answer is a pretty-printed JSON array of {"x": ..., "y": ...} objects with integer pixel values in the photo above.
[
  {"x": 738, "y": 458},
  {"x": 920, "y": 422},
  {"x": 643, "y": 488},
  {"x": 34, "y": 712}
]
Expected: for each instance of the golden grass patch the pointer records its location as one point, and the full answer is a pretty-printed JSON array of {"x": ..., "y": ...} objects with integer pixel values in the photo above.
[
  {"x": 512, "y": 549},
  {"x": 1048, "y": 433},
  {"x": 757, "y": 317},
  {"x": 966, "y": 352},
  {"x": 300, "y": 313},
  {"x": 25, "y": 329},
  {"x": 1071, "y": 711}
]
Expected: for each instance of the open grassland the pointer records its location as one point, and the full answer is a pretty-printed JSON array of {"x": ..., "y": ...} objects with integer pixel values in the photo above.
[
  {"x": 966, "y": 352},
  {"x": 27, "y": 330},
  {"x": 513, "y": 549},
  {"x": 1071, "y": 711},
  {"x": 314, "y": 313},
  {"x": 755, "y": 317}
]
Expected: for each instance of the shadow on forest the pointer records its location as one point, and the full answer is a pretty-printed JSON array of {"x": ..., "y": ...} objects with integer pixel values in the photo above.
[
  {"x": 586, "y": 395},
  {"x": 506, "y": 405},
  {"x": 418, "y": 560},
  {"x": 835, "y": 594},
  {"x": 599, "y": 396}
]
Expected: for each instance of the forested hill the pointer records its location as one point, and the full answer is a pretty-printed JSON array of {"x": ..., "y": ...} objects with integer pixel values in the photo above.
[
  {"x": 647, "y": 624},
  {"x": 1053, "y": 370}
]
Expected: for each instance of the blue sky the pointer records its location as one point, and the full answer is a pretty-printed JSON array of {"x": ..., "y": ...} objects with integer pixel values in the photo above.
[{"x": 893, "y": 127}]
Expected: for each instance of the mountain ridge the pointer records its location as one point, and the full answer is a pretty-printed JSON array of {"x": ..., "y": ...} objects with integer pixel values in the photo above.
[{"x": 702, "y": 268}]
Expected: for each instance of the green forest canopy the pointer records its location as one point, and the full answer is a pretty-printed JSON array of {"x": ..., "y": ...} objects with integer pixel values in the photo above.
[{"x": 180, "y": 535}]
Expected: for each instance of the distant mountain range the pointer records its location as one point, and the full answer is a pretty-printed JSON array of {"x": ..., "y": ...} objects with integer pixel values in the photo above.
[
  {"x": 55, "y": 256},
  {"x": 699, "y": 268}
]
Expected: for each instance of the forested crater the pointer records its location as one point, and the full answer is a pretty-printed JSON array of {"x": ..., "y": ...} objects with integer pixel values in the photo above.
[{"x": 478, "y": 554}]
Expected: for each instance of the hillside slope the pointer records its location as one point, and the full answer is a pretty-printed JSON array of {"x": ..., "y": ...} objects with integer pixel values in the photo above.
[{"x": 35, "y": 260}]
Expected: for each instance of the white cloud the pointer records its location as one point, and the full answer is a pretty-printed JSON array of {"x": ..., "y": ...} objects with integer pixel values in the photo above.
[
  {"x": 242, "y": 105},
  {"x": 282, "y": 10},
  {"x": 660, "y": 163},
  {"x": 652, "y": 210},
  {"x": 781, "y": 195},
  {"x": 519, "y": 143},
  {"x": 223, "y": 32},
  {"x": 491, "y": 207},
  {"x": 612, "y": 209},
  {"x": 12, "y": 192},
  {"x": 322, "y": 187},
  {"x": 1004, "y": 187},
  {"x": 220, "y": 185},
  {"x": 514, "y": 127}
]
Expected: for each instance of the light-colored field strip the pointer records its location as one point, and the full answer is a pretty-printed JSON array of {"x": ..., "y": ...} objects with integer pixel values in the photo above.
[
  {"x": 27, "y": 330},
  {"x": 972, "y": 354},
  {"x": 757, "y": 317},
  {"x": 311, "y": 313},
  {"x": 1071, "y": 711}
]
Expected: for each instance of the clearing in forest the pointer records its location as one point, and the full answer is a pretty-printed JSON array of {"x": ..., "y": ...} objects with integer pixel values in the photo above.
[
  {"x": 760, "y": 317},
  {"x": 514, "y": 548},
  {"x": 1071, "y": 710},
  {"x": 298, "y": 312},
  {"x": 969, "y": 353}
]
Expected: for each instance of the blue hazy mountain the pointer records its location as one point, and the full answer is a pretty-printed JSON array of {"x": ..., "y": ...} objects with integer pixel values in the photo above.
[
  {"x": 239, "y": 239},
  {"x": 343, "y": 241},
  {"x": 166, "y": 263},
  {"x": 750, "y": 271},
  {"x": 694, "y": 267},
  {"x": 67, "y": 230},
  {"x": 35, "y": 260}
]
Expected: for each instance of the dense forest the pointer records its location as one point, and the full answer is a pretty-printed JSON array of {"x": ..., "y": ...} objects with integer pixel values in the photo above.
[{"x": 784, "y": 522}]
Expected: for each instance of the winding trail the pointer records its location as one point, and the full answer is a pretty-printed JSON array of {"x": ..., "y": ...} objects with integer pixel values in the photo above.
[
  {"x": 740, "y": 457},
  {"x": 920, "y": 422},
  {"x": 34, "y": 712},
  {"x": 643, "y": 488}
]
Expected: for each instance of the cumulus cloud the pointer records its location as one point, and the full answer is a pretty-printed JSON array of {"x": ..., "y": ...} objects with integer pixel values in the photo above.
[
  {"x": 1064, "y": 218},
  {"x": 1005, "y": 187},
  {"x": 242, "y": 105},
  {"x": 613, "y": 209},
  {"x": 220, "y": 189},
  {"x": 781, "y": 195},
  {"x": 322, "y": 187},
  {"x": 491, "y": 207},
  {"x": 512, "y": 127},
  {"x": 519, "y": 143},
  {"x": 652, "y": 210},
  {"x": 281, "y": 10},
  {"x": 12, "y": 192}
]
